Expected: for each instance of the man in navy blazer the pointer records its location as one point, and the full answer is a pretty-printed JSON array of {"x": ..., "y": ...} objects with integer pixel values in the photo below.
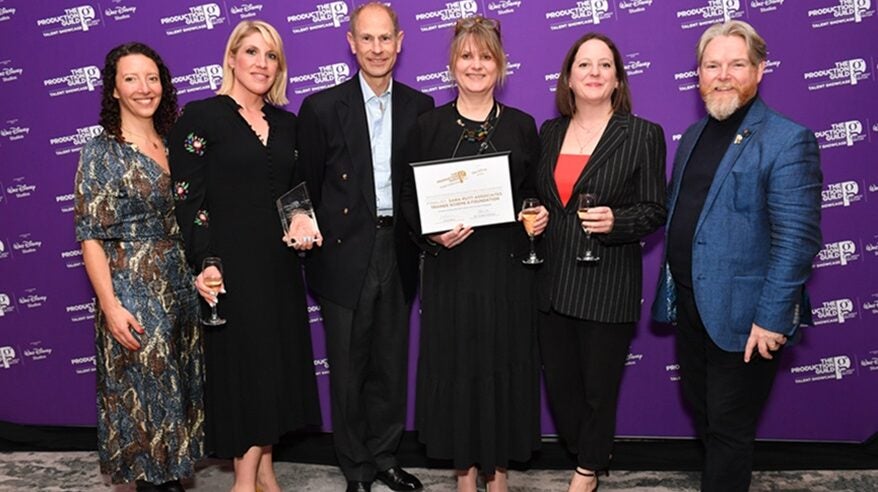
[
  {"x": 355, "y": 143},
  {"x": 743, "y": 229}
]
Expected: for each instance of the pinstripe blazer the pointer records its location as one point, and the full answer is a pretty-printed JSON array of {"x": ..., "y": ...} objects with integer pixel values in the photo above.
[{"x": 627, "y": 172}]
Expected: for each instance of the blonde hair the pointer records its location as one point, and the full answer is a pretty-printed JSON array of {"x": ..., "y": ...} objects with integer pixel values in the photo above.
[
  {"x": 277, "y": 94},
  {"x": 756, "y": 49},
  {"x": 485, "y": 33}
]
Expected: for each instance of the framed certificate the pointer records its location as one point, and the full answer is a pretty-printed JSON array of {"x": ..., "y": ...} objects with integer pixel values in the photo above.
[{"x": 473, "y": 191}]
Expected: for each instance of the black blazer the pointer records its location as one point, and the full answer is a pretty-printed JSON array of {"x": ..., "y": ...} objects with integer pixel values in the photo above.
[
  {"x": 335, "y": 159},
  {"x": 627, "y": 172}
]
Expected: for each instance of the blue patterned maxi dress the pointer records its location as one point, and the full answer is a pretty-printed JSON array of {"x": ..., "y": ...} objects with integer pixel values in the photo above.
[{"x": 150, "y": 410}]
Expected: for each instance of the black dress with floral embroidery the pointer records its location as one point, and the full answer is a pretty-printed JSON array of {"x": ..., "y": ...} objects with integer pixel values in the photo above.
[
  {"x": 150, "y": 407},
  {"x": 260, "y": 369}
]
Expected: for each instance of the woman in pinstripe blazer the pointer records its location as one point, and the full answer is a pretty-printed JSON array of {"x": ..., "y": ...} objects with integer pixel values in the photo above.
[{"x": 589, "y": 309}]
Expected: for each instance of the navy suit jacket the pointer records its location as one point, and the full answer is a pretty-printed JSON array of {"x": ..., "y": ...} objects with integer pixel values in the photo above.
[{"x": 757, "y": 233}]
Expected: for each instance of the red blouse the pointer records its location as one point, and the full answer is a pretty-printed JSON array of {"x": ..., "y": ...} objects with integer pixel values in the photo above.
[{"x": 567, "y": 171}]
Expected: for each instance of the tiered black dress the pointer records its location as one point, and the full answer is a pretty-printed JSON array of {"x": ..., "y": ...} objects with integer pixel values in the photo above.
[
  {"x": 259, "y": 365},
  {"x": 478, "y": 373}
]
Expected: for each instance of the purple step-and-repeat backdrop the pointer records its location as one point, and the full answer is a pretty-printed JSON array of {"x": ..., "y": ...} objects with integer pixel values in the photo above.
[{"x": 821, "y": 72}]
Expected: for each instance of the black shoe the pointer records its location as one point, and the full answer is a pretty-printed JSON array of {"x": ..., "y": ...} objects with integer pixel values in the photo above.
[
  {"x": 354, "y": 486},
  {"x": 144, "y": 486},
  {"x": 173, "y": 486},
  {"x": 398, "y": 479}
]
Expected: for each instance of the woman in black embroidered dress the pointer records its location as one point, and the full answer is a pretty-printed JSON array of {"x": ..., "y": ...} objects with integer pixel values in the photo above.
[{"x": 232, "y": 156}]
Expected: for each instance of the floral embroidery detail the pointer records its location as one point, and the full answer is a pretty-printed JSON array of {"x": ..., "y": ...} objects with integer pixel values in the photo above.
[
  {"x": 201, "y": 218},
  {"x": 195, "y": 144},
  {"x": 181, "y": 190}
]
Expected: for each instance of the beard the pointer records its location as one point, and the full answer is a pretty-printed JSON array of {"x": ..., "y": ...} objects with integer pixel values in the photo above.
[{"x": 721, "y": 105}]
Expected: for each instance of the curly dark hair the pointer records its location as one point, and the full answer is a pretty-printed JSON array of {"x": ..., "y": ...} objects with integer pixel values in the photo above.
[{"x": 165, "y": 114}]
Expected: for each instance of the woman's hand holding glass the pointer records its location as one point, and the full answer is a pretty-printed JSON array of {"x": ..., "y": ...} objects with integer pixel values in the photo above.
[
  {"x": 598, "y": 220},
  {"x": 530, "y": 215},
  {"x": 303, "y": 234},
  {"x": 210, "y": 284}
]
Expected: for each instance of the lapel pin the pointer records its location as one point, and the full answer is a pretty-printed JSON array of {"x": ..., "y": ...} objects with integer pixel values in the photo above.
[{"x": 741, "y": 136}]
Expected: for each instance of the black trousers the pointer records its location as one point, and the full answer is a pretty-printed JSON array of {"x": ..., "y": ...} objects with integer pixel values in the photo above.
[
  {"x": 583, "y": 363},
  {"x": 726, "y": 396},
  {"x": 368, "y": 364}
]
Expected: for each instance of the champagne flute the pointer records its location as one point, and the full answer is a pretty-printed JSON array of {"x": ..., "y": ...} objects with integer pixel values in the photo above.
[
  {"x": 212, "y": 279},
  {"x": 586, "y": 201},
  {"x": 529, "y": 212}
]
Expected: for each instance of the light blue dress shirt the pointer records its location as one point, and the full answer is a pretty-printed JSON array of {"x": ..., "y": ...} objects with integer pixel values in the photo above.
[{"x": 379, "y": 115}]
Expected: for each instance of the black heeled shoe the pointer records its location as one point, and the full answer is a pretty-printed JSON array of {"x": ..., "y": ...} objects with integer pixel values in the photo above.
[
  {"x": 144, "y": 486},
  {"x": 173, "y": 486},
  {"x": 591, "y": 474}
]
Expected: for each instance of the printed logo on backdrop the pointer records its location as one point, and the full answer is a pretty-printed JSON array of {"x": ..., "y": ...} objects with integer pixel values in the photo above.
[
  {"x": 503, "y": 7},
  {"x": 314, "y": 314},
  {"x": 839, "y": 253},
  {"x": 83, "y": 365},
  {"x": 844, "y": 72},
  {"x": 9, "y": 72},
  {"x": 841, "y": 12},
  {"x": 635, "y": 6},
  {"x": 841, "y": 134},
  {"x": 8, "y": 357},
  {"x": 21, "y": 188},
  {"x": 686, "y": 81},
  {"x": 66, "y": 144},
  {"x": 673, "y": 371},
  {"x": 633, "y": 359},
  {"x": 12, "y": 131},
  {"x": 841, "y": 194},
  {"x": 325, "y": 77},
  {"x": 197, "y": 18},
  {"x": 66, "y": 202},
  {"x": 79, "y": 79},
  {"x": 869, "y": 362},
  {"x": 6, "y": 13},
  {"x": 37, "y": 352},
  {"x": 711, "y": 12},
  {"x": 72, "y": 258},
  {"x": 202, "y": 78},
  {"x": 246, "y": 10},
  {"x": 6, "y": 305},
  {"x": 75, "y": 19},
  {"x": 871, "y": 306},
  {"x": 871, "y": 248},
  {"x": 4, "y": 251},
  {"x": 766, "y": 5},
  {"x": 25, "y": 245},
  {"x": 81, "y": 312},
  {"x": 635, "y": 64},
  {"x": 432, "y": 20},
  {"x": 551, "y": 80},
  {"x": 32, "y": 299},
  {"x": 836, "y": 311},
  {"x": 119, "y": 12},
  {"x": 827, "y": 368},
  {"x": 323, "y": 16},
  {"x": 771, "y": 66},
  {"x": 437, "y": 80},
  {"x": 321, "y": 367},
  {"x": 583, "y": 12}
]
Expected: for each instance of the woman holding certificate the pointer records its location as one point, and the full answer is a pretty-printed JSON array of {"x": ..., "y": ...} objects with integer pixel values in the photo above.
[
  {"x": 602, "y": 177},
  {"x": 231, "y": 157},
  {"x": 478, "y": 378}
]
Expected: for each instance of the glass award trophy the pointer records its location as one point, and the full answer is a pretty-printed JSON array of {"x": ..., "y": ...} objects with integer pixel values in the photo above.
[{"x": 293, "y": 203}]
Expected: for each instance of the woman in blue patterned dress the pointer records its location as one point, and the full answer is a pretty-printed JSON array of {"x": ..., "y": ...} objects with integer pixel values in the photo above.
[{"x": 147, "y": 336}]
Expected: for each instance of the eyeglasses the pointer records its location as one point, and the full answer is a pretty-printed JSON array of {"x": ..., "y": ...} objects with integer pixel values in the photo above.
[{"x": 468, "y": 23}]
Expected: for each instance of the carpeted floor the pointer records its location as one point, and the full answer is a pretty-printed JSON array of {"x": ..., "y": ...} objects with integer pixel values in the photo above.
[{"x": 78, "y": 471}]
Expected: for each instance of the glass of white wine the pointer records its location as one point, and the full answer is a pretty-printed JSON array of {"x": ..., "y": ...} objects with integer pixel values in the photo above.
[
  {"x": 529, "y": 211},
  {"x": 586, "y": 201},
  {"x": 213, "y": 279}
]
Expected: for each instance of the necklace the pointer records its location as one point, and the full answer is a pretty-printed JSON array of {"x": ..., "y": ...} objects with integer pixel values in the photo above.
[
  {"x": 590, "y": 134},
  {"x": 481, "y": 133},
  {"x": 155, "y": 145}
]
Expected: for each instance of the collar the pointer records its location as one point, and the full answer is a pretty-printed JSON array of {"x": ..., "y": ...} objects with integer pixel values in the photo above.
[{"x": 367, "y": 91}]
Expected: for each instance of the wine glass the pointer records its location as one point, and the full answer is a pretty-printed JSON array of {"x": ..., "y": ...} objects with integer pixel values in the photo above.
[
  {"x": 529, "y": 211},
  {"x": 586, "y": 201},
  {"x": 212, "y": 279}
]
